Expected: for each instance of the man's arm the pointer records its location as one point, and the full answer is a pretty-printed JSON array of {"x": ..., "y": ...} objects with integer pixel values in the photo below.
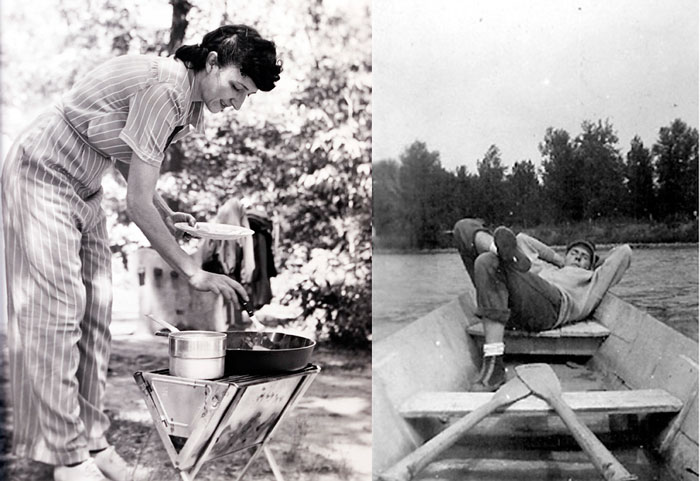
[
  {"x": 606, "y": 276},
  {"x": 544, "y": 252},
  {"x": 612, "y": 269}
]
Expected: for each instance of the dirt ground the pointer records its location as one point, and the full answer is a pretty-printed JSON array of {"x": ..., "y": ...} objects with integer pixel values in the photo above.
[{"x": 327, "y": 436}]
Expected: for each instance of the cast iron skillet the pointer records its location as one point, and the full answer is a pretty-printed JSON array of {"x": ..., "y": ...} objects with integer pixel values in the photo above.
[{"x": 250, "y": 352}]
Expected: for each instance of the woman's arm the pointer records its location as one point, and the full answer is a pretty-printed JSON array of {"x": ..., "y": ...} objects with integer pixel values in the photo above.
[
  {"x": 161, "y": 206},
  {"x": 166, "y": 213},
  {"x": 141, "y": 183},
  {"x": 171, "y": 217}
]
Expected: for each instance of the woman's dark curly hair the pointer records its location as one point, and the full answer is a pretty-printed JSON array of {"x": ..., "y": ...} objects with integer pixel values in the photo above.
[{"x": 241, "y": 46}]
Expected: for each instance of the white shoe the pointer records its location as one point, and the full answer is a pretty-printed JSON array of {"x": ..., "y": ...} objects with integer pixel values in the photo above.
[
  {"x": 112, "y": 465},
  {"x": 85, "y": 471}
]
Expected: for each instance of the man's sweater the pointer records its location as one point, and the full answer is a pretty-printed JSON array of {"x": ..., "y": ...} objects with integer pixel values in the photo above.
[{"x": 582, "y": 290}]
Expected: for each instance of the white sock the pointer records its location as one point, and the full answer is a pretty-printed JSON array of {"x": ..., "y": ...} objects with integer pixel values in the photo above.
[{"x": 494, "y": 349}]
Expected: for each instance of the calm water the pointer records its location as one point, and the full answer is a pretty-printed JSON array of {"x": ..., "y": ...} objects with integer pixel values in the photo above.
[{"x": 661, "y": 280}]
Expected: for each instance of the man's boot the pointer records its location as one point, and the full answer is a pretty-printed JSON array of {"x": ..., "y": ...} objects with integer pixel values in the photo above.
[
  {"x": 493, "y": 375},
  {"x": 508, "y": 250}
]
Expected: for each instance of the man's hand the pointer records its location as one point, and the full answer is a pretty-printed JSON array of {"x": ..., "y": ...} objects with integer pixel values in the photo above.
[
  {"x": 176, "y": 217},
  {"x": 218, "y": 284}
]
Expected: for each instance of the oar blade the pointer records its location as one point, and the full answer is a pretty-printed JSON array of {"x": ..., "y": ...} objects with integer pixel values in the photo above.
[
  {"x": 540, "y": 378},
  {"x": 510, "y": 392}
]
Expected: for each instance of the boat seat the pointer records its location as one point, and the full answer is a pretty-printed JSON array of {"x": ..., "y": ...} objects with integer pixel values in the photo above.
[
  {"x": 577, "y": 339},
  {"x": 642, "y": 401}
]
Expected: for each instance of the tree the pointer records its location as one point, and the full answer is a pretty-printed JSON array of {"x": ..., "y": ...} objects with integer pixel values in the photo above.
[
  {"x": 318, "y": 178},
  {"x": 179, "y": 24},
  {"x": 562, "y": 175},
  {"x": 524, "y": 191},
  {"x": 639, "y": 175},
  {"x": 676, "y": 165},
  {"x": 422, "y": 194},
  {"x": 463, "y": 199},
  {"x": 603, "y": 170},
  {"x": 79, "y": 35},
  {"x": 178, "y": 27},
  {"x": 386, "y": 197},
  {"x": 492, "y": 188}
]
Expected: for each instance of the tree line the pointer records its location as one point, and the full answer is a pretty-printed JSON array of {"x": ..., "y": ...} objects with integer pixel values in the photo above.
[{"x": 581, "y": 178}]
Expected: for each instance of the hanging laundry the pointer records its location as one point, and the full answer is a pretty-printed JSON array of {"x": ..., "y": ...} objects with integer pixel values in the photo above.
[{"x": 261, "y": 289}]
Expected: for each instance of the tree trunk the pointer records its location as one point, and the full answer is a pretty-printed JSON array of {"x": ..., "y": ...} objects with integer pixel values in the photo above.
[{"x": 178, "y": 27}]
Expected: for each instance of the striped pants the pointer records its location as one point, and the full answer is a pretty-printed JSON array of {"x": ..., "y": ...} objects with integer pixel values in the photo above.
[{"x": 59, "y": 304}]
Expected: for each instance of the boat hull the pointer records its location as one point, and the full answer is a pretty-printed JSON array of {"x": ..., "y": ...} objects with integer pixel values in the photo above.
[{"x": 435, "y": 354}]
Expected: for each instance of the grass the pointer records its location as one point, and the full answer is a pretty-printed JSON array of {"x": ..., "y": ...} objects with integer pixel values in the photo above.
[{"x": 624, "y": 232}]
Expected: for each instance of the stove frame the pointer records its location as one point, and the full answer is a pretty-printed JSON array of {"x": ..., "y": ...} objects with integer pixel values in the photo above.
[{"x": 200, "y": 420}]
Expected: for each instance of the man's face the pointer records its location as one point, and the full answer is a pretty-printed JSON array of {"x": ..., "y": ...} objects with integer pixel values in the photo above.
[{"x": 578, "y": 256}]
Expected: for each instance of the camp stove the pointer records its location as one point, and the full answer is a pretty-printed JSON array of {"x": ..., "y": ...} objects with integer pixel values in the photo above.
[{"x": 200, "y": 420}]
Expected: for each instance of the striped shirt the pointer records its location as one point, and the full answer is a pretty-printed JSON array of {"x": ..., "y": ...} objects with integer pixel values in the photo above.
[{"x": 134, "y": 103}]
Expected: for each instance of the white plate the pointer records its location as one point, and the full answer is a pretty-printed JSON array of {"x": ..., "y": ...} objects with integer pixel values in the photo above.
[{"x": 209, "y": 230}]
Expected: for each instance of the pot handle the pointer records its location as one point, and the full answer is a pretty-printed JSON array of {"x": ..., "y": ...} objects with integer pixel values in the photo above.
[
  {"x": 162, "y": 334},
  {"x": 163, "y": 323}
]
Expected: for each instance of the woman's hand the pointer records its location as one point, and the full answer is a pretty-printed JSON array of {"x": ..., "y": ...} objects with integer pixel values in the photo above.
[
  {"x": 175, "y": 217},
  {"x": 218, "y": 284}
]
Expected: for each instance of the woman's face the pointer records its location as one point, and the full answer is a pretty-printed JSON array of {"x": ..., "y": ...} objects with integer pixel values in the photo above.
[{"x": 222, "y": 87}]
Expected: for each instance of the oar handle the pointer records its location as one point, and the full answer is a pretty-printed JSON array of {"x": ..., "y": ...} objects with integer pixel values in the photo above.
[
  {"x": 608, "y": 466},
  {"x": 409, "y": 466}
]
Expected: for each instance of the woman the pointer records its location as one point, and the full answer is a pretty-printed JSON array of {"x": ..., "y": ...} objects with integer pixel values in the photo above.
[{"x": 124, "y": 113}]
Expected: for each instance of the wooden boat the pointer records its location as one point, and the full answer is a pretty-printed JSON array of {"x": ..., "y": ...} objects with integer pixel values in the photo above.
[{"x": 631, "y": 379}]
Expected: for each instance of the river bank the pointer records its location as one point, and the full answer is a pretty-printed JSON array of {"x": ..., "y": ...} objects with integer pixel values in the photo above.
[
  {"x": 561, "y": 247},
  {"x": 638, "y": 234}
]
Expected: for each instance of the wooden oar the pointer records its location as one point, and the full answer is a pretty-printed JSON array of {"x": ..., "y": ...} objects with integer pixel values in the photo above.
[
  {"x": 542, "y": 380},
  {"x": 405, "y": 469}
]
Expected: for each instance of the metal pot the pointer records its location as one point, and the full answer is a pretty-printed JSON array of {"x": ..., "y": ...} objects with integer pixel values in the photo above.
[
  {"x": 197, "y": 354},
  {"x": 194, "y": 354},
  {"x": 250, "y": 352}
]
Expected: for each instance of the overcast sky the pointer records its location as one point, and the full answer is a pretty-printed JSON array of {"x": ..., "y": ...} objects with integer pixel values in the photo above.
[{"x": 461, "y": 75}]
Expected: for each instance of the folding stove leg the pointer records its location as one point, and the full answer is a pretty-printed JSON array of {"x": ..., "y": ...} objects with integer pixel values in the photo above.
[
  {"x": 273, "y": 464},
  {"x": 301, "y": 389},
  {"x": 249, "y": 464},
  {"x": 270, "y": 461}
]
